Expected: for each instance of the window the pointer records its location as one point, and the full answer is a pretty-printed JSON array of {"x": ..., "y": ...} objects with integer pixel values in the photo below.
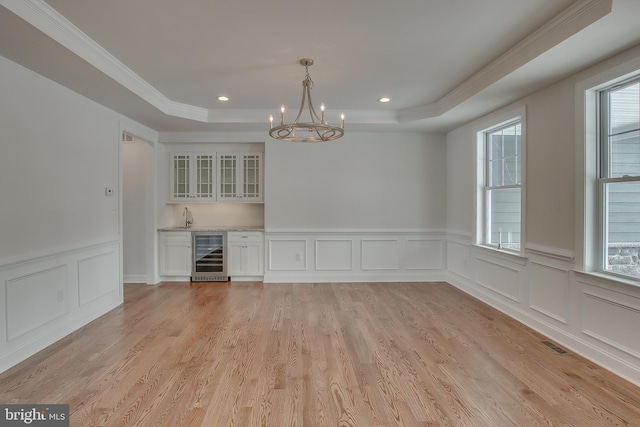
[
  {"x": 500, "y": 197},
  {"x": 619, "y": 179}
]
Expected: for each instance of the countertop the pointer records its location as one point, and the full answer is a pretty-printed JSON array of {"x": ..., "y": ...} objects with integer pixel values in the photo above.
[{"x": 214, "y": 228}]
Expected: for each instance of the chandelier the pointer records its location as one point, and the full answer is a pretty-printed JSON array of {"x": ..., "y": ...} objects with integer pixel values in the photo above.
[{"x": 317, "y": 130}]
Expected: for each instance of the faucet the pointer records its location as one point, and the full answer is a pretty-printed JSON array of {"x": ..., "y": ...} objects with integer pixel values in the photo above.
[{"x": 188, "y": 217}]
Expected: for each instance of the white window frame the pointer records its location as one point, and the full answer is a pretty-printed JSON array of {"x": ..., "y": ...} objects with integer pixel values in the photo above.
[
  {"x": 588, "y": 235},
  {"x": 604, "y": 176},
  {"x": 482, "y": 216}
]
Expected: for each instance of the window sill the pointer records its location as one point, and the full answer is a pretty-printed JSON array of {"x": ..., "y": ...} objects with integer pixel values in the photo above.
[
  {"x": 609, "y": 278},
  {"x": 508, "y": 256}
]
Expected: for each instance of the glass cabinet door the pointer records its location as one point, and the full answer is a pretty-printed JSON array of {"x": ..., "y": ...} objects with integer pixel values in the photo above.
[
  {"x": 192, "y": 177},
  {"x": 227, "y": 176},
  {"x": 204, "y": 176},
  {"x": 240, "y": 176},
  {"x": 180, "y": 176},
  {"x": 251, "y": 182}
]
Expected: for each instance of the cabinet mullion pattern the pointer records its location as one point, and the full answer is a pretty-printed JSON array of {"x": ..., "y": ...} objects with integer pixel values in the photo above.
[
  {"x": 181, "y": 176},
  {"x": 205, "y": 176},
  {"x": 251, "y": 181},
  {"x": 228, "y": 179}
]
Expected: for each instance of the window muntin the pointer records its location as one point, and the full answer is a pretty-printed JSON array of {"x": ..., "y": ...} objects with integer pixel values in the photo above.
[
  {"x": 619, "y": 180},
  {"x": 502, "y": 190}
]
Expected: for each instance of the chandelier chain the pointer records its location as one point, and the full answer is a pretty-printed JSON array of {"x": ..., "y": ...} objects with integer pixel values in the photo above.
[{"x": 308, "y": 77}]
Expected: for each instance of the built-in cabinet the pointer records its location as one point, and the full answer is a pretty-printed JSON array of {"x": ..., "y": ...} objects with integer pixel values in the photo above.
[
  {"x": 246, "y": 253},
  {"x": 240, "y": 177},
  {"x": 175, "y": 253},
  {"x": 211, "y": 177}
]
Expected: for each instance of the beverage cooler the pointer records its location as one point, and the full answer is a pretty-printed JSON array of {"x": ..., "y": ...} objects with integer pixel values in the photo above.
[{"x": 209, "y": 257}]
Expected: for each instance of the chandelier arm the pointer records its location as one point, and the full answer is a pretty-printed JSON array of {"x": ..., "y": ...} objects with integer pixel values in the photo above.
[
  {"x": 312, "y": 111},
  {"x": 304, "y": 97}
]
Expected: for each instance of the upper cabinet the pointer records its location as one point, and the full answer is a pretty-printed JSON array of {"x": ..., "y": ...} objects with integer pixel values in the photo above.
[
  {"x": 211, "y": 177},
  {"x": 240, "y": 177},
  {"x": 192, "y": 177}
]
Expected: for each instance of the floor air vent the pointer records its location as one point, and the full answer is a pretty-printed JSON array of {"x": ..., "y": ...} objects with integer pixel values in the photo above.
[
  {"x": 209, "y": 278},
  {"x": 554, "y": 347}
]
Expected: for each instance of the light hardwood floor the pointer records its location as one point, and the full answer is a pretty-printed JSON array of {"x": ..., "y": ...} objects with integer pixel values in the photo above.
[{"x": 341, "y": 354}]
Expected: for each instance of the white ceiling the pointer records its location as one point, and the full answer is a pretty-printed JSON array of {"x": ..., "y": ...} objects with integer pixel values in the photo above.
[{"x": 163, "y": 62}]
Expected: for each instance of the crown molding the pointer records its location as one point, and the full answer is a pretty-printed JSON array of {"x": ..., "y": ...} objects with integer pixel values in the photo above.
[
  {"x": 46, "y": 19},
  {"x": 185, "y": 111},
  {"x": 575, "y": 18},
  {"x": 578, "y": 16}
]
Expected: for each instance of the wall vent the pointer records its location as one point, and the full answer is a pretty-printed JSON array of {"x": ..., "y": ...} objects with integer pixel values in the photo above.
[
  {"x": 126, "y": 137},
  {"x": 554, "y": 347}
]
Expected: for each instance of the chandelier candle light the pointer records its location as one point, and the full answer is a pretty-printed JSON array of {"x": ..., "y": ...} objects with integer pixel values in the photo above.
[{"x": 318, "y": 130}]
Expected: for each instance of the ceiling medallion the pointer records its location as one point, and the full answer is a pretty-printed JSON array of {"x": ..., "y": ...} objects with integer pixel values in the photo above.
[{"x": 318, "y": 130}]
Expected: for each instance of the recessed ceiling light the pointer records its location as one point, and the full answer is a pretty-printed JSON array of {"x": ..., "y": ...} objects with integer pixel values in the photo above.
[
  {"x": 223, "y": 98},
  {"x": 384, "y": 99}
]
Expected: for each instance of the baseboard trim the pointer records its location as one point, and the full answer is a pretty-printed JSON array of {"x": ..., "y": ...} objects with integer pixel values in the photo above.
[
  {"x": 388, "y": 278},
  {"x": 134, "y": 278}
]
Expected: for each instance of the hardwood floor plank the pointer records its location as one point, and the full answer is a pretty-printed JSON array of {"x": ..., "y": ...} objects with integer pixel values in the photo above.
[{"x": 335, "y": 354}]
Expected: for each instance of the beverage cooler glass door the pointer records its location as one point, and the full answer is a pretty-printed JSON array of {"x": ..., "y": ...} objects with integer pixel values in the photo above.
[{"x": 209, "y": 259}]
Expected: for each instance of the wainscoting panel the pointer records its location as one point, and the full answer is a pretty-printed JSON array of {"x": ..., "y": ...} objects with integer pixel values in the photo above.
[
  {"x": 378, "y": 254},
  {"x": 287, "y": 254},
  {"x": 498, "y": 277},
  {"x": 35, "y": 299},
  {"x": 334, "y": 255},
  {"x": 458, "y": 254},
  {"x": 612, "y": 318},
  {"x": 584, "y": 313},
  {"x": 46, "y": 297},
  {"x": 549, "y": 291},
  {"x": 424, "y": 254},
  {"x": 354, "y": 256},
  {"x": 96, "y": 277}
]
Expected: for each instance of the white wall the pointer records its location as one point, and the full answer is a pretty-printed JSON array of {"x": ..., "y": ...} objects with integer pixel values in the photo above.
[
  {"x": 550, "y": 166},
  {"x": 59, "y": 152},
  {"x": 60, "y": 245},
  {"x": 460, "y": 177},
  {"x": 364, "y": 181},
  {"x": 545, "y": 289},
  {"x": 368, "y": 207},
  {"x": 137, "y": 169}
]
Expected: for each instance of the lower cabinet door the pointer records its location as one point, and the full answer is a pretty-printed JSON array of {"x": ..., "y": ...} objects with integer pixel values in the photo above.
[
  {"x": 235, "y": 258},
  {"x": 246, "y": 253},
  {"x": 253, "y": 260},
  {"x": 175, "y": 254}
]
